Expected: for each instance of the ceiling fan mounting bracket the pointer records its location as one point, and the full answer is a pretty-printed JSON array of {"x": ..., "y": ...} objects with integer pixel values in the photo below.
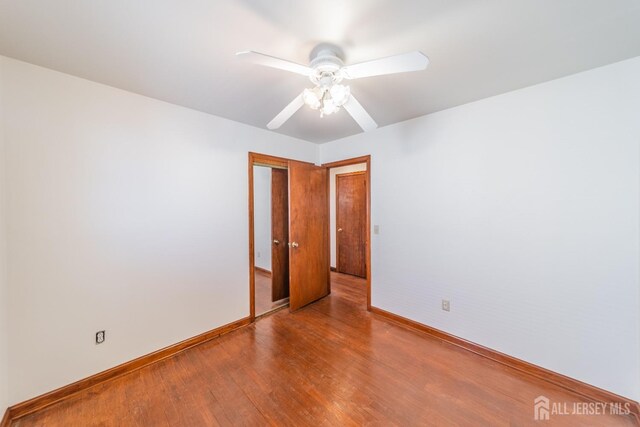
[
  {"x": 324, "y": 49},
  {"x": 326, "y": 58}
]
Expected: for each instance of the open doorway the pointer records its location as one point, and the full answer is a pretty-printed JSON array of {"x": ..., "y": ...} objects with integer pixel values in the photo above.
[
  {"x": 268, "y": 234},
  {"x": 288, "y": 221},
  {"x": 348, "y": 210},
  {"x": 349, "y": 216},
  {"x": 271, "y": 229}
]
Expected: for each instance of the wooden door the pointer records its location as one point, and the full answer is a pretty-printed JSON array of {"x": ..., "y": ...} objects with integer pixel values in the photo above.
[
  {"x": 308, "y": 234},
  {"x": 351, "y": 211},
  {"x": 279, "y": 234}
]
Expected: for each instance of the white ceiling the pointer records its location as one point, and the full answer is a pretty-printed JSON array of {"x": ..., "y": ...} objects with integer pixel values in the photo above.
[{"x": 183, "y": 51}]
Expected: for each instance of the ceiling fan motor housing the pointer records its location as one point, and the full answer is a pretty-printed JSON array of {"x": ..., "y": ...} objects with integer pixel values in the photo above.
[{"x": 326, "y": 61}]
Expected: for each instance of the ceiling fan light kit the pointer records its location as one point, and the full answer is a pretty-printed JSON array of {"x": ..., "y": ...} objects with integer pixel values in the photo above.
[
  {"x": 326, "y": 71},
  {"x": 326, "y": 99}
]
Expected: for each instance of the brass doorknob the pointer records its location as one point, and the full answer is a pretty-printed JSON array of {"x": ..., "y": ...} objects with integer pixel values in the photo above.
[
  {"x": 294, "y": 244},
  {"x": 276, "y": 242},
  {"x": 339, "y": 230}
]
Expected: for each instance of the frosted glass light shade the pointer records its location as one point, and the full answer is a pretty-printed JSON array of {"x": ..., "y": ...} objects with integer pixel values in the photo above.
[
  {"x": 311, "y": 98},
  {"x": 340, "y": 94},
  {"x": 329, "y": 107},
  {"x": 326, "y": 99}
]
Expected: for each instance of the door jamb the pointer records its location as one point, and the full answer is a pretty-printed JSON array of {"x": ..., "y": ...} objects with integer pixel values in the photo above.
[{"x": 356, "y": 160}]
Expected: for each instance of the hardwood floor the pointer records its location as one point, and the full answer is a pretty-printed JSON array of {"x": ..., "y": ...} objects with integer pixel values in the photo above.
[
  {"x": 263, "y": 294},
  {"x": 331, "y": 363}
]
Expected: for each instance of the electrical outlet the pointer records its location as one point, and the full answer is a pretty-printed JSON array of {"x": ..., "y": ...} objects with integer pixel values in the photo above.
[
  {"x": 100, "y": 337},
  {"x": 258, "y": 254},
  {"x": 446, "y": 305},
  {"x": 376, "y": 229}
]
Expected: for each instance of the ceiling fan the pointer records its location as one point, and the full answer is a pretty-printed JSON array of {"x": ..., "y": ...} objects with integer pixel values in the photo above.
[{"x": 326, "y": 71}]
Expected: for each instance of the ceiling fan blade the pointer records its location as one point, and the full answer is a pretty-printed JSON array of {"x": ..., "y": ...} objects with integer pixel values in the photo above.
[
  {"x": 285, "y": 114},
  {"x": 412, "y": 61},
  {"x": 359, "y": 114},
  {"x": 273, "y": 62}
]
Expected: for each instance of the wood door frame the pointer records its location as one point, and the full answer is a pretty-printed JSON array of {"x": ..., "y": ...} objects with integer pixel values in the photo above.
[
  {"x": 354, "y": 161},
  {"x": 337, "y": 221}
]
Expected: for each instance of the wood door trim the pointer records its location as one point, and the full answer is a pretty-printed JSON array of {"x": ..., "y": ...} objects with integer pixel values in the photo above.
[
  {"x": 351, "y": 173},
  {"x": 266, "y": 160},
  {"x": 354, "y": 161},
  {"x": 583, "y": 389},
  {"x": 348, "y": 162},
  {"x": 342, "y": 175},
  {"x": 6, "y": 420},
  {"x": 40, "y": 402}
]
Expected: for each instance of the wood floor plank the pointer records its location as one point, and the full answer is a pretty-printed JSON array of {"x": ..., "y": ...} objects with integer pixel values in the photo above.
[
  {"x": 331, "y": 363},
  {"x": 263, "y": 294}
]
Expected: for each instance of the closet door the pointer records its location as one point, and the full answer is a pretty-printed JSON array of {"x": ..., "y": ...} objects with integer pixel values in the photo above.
[
  {"x": 351, "y": 223},
  {"x": 308, "y": 234},
  {"x": 279, "y": 234}
]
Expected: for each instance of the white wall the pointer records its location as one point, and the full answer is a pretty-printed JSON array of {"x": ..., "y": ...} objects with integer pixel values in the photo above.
[
  {"x": 332, "y": 202},
  {"x": 4, "y": 294},
  {"x": 124, "y": 213},
  {"x": 262, "y": 216},
  {"x": 523, "y": 210}
]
